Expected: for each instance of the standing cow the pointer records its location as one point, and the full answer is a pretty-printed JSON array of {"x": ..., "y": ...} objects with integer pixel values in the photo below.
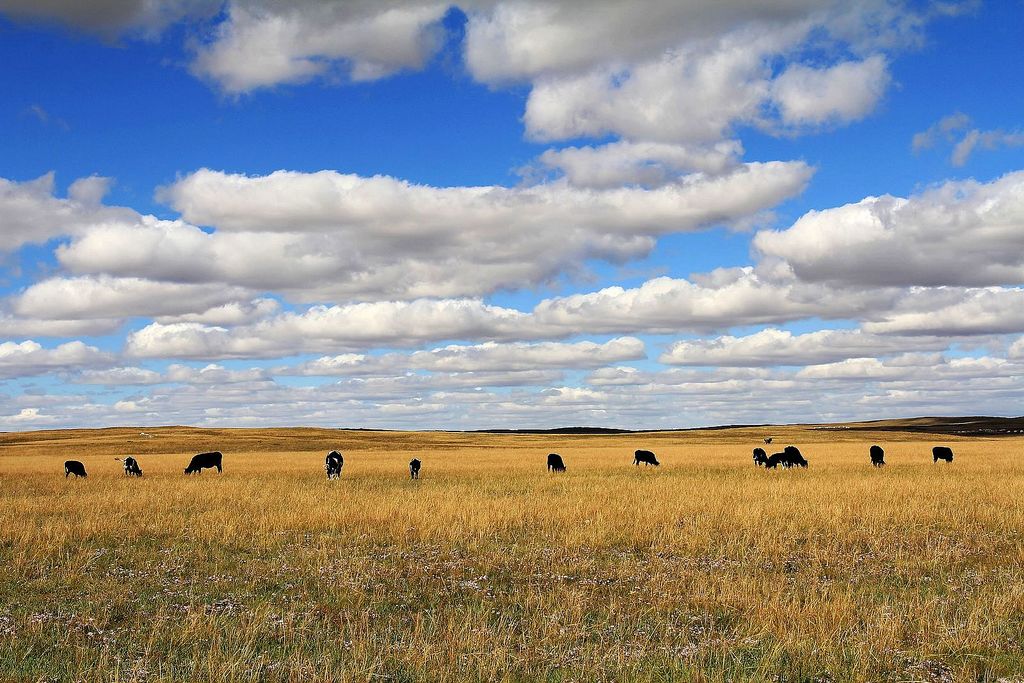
[
  {"x": 131, "y": 466},
  {"x": 767, "y": 440},
  {"x": 877, "y": 456},
  {"x": 555, "y": 463},
  {"x": 414, "y": 468},
  {"x": 760, "y": 457},
  {"x": 333, "y": 465},
  {"x": 645, "y": 457},
  {"x": 942, "y": 453},
  {"x": 204, "y": 461},
  {"x": 74, "y": 467}
]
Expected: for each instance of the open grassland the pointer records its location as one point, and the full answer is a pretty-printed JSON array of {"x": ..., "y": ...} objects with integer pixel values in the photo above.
[{"x": 489, "y": 568}]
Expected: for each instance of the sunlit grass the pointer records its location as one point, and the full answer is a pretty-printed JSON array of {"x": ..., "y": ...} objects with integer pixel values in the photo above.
[{"x": 490, "y": 568}]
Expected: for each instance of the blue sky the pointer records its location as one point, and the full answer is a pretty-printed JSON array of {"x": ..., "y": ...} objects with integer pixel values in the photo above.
[{"x": 495, "y": 213}]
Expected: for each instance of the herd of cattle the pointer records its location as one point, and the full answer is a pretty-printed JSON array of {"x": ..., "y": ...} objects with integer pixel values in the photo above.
[
  {"x": 199, "y": 462},
  {"x": 789, "y": 457}
]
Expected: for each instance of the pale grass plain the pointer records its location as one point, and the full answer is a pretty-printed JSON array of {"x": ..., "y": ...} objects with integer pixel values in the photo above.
[{"x": 491, "y": 569}]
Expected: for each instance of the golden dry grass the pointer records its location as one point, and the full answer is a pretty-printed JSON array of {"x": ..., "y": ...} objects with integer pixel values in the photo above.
[{"x": 489, "y": 568}]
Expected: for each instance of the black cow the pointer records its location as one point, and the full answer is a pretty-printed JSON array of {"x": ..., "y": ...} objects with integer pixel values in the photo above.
[
  {"x": 789, "y": 457},
  {"x": 760, "y": 457},
  {"x": 131, "y": 466},
  {"x": 203, "y": 461},
  {"x": 333, "y": 465},
  {"x": 74, "y": 467},
  {"x": 767, "y": 440},
  {"x": 414, "y": 468},
  {"x": 793, "y": 457},
  {"x": 645, "y": 457},
  {"x": 877, "y": 456},
  {"x": 942, "y": 453},
  {"x": 555, "y": 463}
]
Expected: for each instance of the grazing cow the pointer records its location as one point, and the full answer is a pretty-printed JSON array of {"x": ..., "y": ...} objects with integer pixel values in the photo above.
[
  {"x": 793, "y": 457},
  {"x": 333, "y": 465},
  {"x": 767, "y": 440},
  {"x": 414, "y": 468},
  {"x": 555, "y": 463},
  {"x": 645, "y": 457},
  {"x": 131, "y": 466},
  {"x": 877, "y": 456},
  {"x": 202, "y": 461},
  {"x": 942, "y": 453},
  {"x": 760, "y": 457},
  {"x": 74, "y": 467},
  {"x": 789, "y": 457}
]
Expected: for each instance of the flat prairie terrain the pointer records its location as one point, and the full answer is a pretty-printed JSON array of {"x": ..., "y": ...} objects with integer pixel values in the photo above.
[{"x": 491, "y": 569}]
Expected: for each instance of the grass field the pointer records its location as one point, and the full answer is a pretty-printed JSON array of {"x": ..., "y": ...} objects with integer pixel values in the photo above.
[{"x": 489, "y": 568}]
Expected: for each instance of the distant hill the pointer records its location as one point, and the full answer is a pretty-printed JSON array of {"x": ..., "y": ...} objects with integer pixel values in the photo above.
[
  {"x": 602, "y": 430},
  {"x": 557, "y": 430},
  {"x": 961, "y": 426}
]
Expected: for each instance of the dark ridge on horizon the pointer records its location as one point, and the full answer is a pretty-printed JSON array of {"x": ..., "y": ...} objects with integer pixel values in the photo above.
[
  {"x": 607, "y": 430},
  {"x": 557, "y": 430},
  {"x": 979, "y": 425}
]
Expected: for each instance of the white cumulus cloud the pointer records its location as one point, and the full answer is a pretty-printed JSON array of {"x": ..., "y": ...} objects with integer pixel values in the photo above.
[
  {"x": 329, "y": 236},
  {"x": 262, "y": 44},
  {"x": 721, "y": 300},
  {"x": 779, "y": 347},
  {"x": 958, "y": 233},
  {"x": 31, "y": 214},
  {"x": 29, "y": 358},
  {"x": 486, "y": 357},
  {"x": 847, "y": 91}
]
